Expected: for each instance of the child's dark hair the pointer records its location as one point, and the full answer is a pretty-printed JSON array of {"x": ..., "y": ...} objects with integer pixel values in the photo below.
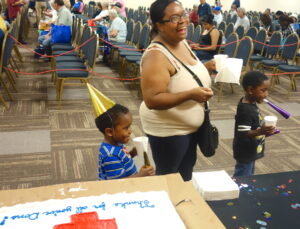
[
  {"x": 209, "y": 19},
  {"x": 253, "y": 79},
  {"x": 109, "y": 119}
]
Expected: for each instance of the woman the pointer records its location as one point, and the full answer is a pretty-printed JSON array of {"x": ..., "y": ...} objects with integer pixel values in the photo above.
[
  {"x": 209, "y": 40},
  {"x": 286, "y": 27},
  {"x": 266, "y": 22},
  {"x": 14, "y": 7},
  {"x": 172, "y": 110}
]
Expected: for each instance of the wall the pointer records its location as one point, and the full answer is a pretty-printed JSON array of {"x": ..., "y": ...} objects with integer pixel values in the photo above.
[{"x": 258, "y": 5}]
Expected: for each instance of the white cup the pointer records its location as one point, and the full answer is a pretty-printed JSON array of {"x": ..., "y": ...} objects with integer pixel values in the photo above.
[
  {"x": 220, "y": 60},
  {"x": 270, "y": 120},
  {"x": 141, "y": 144}
]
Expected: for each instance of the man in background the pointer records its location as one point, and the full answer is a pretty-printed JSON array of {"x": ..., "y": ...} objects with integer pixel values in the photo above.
[
  {"x": 203, "y": 9},
  {"x": 218, "y": 17},
  {"x": 242, "y": 19}
]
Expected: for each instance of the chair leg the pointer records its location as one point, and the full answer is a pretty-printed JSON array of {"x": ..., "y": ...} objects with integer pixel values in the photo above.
[
  {"x": 52, "y": 63},
  {"x": 4, "y": 103},
  {"x": 232, "y": 90},
  {"x": 17, "y": 51},
  {"x": 11, "y": 80},
  {"x": 59, "y": 88},
  {"x": 293, "y": 82},
  {"x": 220, "y": 91},
  {"x": 13, "y": 62},
  {"x": 5, "y": 88}
]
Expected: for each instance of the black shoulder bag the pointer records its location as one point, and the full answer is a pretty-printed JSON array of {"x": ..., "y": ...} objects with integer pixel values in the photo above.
[{"x": 207, "y": 134}]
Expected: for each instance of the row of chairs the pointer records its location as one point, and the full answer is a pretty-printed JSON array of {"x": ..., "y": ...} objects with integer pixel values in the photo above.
[
  {"x": 79, "y": 63},
  {"x": 7, "y": 60}
]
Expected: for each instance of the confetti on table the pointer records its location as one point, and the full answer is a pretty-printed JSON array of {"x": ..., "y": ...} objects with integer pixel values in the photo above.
[
  {"x": 285, "y": 194},
  {"x": 283, "y": 186},
  {"x": 295, "y": 206},
  {"x": 254, "y": 180},
  {"x": 267, "y": 215},
  {"x": 261, "y": 222},
  {"x": 290, "y": 180},
  {"x": 230, "y": 203},
  {"x": 258, "y": 204},
  {"x": 234, "y": 217}
]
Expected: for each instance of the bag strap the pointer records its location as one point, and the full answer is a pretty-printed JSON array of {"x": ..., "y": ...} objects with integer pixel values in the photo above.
[{"x": 186, "y": 67}]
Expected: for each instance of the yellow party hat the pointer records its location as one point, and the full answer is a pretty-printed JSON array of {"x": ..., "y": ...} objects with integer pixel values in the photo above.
[{"x": 100, "y": 102}]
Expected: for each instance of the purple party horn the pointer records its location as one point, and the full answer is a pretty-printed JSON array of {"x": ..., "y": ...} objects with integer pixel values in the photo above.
[{"x": 284, "y": 113}]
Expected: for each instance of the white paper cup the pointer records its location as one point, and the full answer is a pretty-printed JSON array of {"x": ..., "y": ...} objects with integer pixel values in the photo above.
[
  {"x": 141, "y": 144},
  {"x": 220, "y": 61},
  {"x": 270, "y": 120}
]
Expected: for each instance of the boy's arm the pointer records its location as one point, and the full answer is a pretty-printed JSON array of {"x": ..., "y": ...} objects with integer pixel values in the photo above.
[{"x": 264, "y": 130}]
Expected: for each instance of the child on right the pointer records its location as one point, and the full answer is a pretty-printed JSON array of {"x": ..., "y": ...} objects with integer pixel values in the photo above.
[{"x": 249, "y": 130}]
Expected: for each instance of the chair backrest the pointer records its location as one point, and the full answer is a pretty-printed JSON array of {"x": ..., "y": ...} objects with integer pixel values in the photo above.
[
  {"x": 135, "y": 15},
  {"x": 252, "y": 32},
  {"x": 7, "y": 45},
  {"x": 290, "y": 48},
  {"x": 197, "y": 33},
  {"x": 130, "y": 14},
  {"x": 275, "y": 41},
  {"x": 228, "y": 19},
  {"x": 245, "y": 50},
  {"x": 85, "y": 35},
  {"x": 260, "y": 40},
  {"x": 136, "y": 33},
  {"x": 144, "y": 37},
  {"x": 231, "y": 45},
  {"x": 229, "y": 30},
  {"x": 256, "y": 24},
  {"x": 255, "y": 19},
  {"x": 129, "y": 26},
  {"x": 190, "y": 31},
  {"x": 240, "y": 31},
  {"x": 222, "y": 26},
  {"x": 220, "y": 40},
  {"x": 92, "y": 49},
  {"x": 234, "y": 19}
]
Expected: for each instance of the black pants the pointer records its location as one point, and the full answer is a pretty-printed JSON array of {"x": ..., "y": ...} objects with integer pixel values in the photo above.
[{"x": 174, "y": 154}]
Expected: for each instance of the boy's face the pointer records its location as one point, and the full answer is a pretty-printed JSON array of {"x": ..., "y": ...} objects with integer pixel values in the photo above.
[
  {"x": 260, "y": 92},
  {"x": 122, "y": 130}
]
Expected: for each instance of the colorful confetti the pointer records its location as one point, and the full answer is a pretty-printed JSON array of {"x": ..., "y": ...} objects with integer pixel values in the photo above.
[
  {"x": 295, "y": 206},
  {"x": 234, "y": 217},
  {"x": 261, "y": 222},
  {"x": 230, "y": 203},
  {"x": 290, "y": 181}
]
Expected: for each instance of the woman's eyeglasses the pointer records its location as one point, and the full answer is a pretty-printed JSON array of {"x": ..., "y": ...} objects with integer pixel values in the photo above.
[{"x": 176, "y": 18}]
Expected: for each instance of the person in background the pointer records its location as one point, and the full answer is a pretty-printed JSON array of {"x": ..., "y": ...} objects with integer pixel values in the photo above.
[
  {"x": 173, "y": 106},
  {"x": 117, "y": 30},
  {"x": 40, "y": 6},
  {"x": 232, "y": 10},
  {"x": 266, "y": 23},
  {"x": 194, "y": 15},
  {"x": 268, "y": 12},
  {"x": 123, "y": 11},
  {"x": 295, "y": 23},
  {"x": 242, "y": 19},
  {"x": 237, "y": 3},
  {"x": 210, "y": 38},
  {"x": 104, "y": 13},
  {"x": 77, "y": 7},
  {"x": 98, "y": 8},
  {"x": 218, "y": 17},
  {"x": 117, "y": 7},
  {"x": 218, "y": 3},
  {"x": 203, "y": 9},
  {"x": 286, "y": 26},
  {"x": 115, "y": 162},
  {"x": 275, "y": 22},
  {"x": 249, "y": 130},
  {"x": 14, "y": 7},
  {"x": 3, "y": 25}
]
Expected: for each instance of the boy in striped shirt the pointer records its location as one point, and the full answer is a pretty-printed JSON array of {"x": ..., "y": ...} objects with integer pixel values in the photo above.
[
  {"x": 249, "y": 131},
  {"x": 114, "y": 161}
]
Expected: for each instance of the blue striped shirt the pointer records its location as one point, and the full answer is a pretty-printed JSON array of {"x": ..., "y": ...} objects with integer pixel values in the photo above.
[{"x": 114, "y": 163}]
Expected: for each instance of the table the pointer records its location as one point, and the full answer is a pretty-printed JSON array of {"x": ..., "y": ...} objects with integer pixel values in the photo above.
[{"x": 277, "y": 194}]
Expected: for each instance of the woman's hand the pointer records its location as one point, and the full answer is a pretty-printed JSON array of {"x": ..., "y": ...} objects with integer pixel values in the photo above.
[
  {"x": 201, "y": 94},
  {"x": 210, "y": 65}
]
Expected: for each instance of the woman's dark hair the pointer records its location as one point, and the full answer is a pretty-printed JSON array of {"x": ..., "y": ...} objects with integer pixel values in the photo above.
[
  {"x": 266, "y": 19},
  {"x": 285, "y": 18},
  {"x": 109, "y": 119},
  {"x": 157, "y": 12},
  {"x": 279, "y": 13},
  {"x": 209, "y": 19},
  {"x": 59, "y": 2},
  {"x": 253, "y": 79}
]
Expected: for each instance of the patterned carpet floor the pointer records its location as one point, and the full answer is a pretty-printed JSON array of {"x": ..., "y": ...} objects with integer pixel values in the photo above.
[{"x": 44, "y": 142}]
